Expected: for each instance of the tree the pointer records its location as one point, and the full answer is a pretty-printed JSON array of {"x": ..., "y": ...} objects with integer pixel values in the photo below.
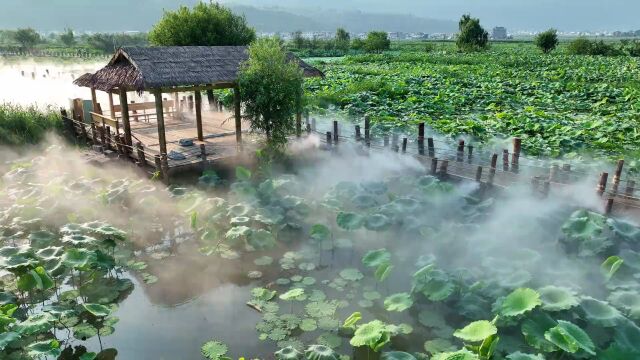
[
  {"x": 472, "y": 36},
  {"x": 205, "y": 25},
  {"x": 343, "y": 39},
  {"x": 580, "y": 46},
  {"x": 547, "y": 41},
  {"x": 298, "y": 40},
  {"x": 27, "y": 38},
  {"x": 68, "y": 38},
  {"x": 377, "y": 41},
  {"x": 271, "y": 90}
]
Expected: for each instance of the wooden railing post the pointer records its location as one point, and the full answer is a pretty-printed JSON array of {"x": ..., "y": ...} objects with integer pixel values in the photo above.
[
  {"x": 515, "y": 159},
  {"x": 431, "y": 147},
  {"x": 404, "y": 145},
  {"x": 385, "y": 140},
  {"x": 107, "y": 130},
  {"x": 103, "y": 141},
  {"x": 367, "y": 131},
  {"x": 631, "y": 188},
  {"x": 492, "y": 169},
  {"x": 335, "y": 132},
  {"x": 617, "y": 177},
  {"x": 358, "y": 135},
  {"x": 203, "y": 156},
  {"x": 505, "y": 160},
  {"x": 460, "y": 153},
  {"x": 602, "y": 185},
  {"x": 434, "y": 165},
  {"x": 470, "y": 154},
  {"x": 421, "y": 138},
  {"x": 328, "y": 138},
  {"x": 142, "y": 161},
  {"x": 479, "y": 173},
  {"x": 94, "y": 136}
]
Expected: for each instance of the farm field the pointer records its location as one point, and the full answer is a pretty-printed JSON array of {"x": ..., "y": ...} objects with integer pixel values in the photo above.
[{"x": 561, "y": 105}]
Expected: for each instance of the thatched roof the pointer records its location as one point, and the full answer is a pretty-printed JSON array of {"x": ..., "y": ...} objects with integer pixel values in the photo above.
[
  {"x": 147, "y": 68},
  {"x": 85, "y": 80}
]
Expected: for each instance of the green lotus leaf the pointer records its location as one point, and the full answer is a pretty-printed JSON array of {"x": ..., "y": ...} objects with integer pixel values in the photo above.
[
  {"x": 308, "y": 325},
  {"x": 262, "y": 294},
  {"x": 363, "y": 201},
  {"x": 515, "y": 279},
  {"x": 263, "y": 261},
  {"x": 351, "y": 321},
  {"x": 71, "y": 229},
  {"x": 600, "y": 313},
  {"x": 349, "y": 221},
  {"x": 278, "y": 334},
  {"x": 383, "y": 271},
  {"x": 237, "y": 232},
  {"x": 320, "y": 352},
  {"x": 330, "y": 340},
  {"x": 293, "y": 294},
  {"x": 431, "y": 319},
  {"x": 329, "y": 324},
  {"x": 570, "y": 338},
  {"x": 371, "y": 295},
  {"x": 584, "y": 224},
  {"x": 463, "y": 354},
  {"x": 84, "y": 331},
  {"x": 243, "y": 174},
  {"x": 519, "y": 302},
  {"x": 50, "y": 253},
  {"x": 432, "y": 283},
  {"x": 631, "y": 258},
  {"x": 397, "y": 355},
  {"x": 522, "y": 356},
  {"x": 261, "y": 240},
  {"x": 293, "y": 342},
  {"x": 289, "y": 321},
  {"x": 557, "y": 298},
  {"x": 79, "y": 258},
  {"x": 17, "y": 262},
  {"x": 610, "y": 266},
  {"x": 615, "y": 352},
  {"x": 398, "y": 302},
  {"x": 41, "y": 238},
  {"x": 307, "y": 266},
  {"x": 35, "y": 279},
  {"x": 8, "y": 337},
  {"x": 238, "y": 210},
  {"x": 308, "y": 281},
  {"x": 213, "y": 350},
  {"x": 628, "y": 301},
  {"x": 111, "y": 232},
  {"x": 105, "y": 291},
  {"x": 375, "y": 258},
  {"x": 476, "y": 331},
  {"x": 288, "y": 353},
  {"x": 320, "y": 309},
  {"x": 97, "y": 309},
  {"x": 438, "y": 346},
  {"x": 351, "y": 274},
  {"x": 368, "y": 334},
  {"x": 35, "y": 324},
  {"x": 624, "y": 230},
  {"x": 44, "y": 348},
  {"x": 627, "y": 335},
  {"x": 240, "y": 220},
  {"x": 377, "y": 222},
  {"x": 320, "y": 232},
  {"x": 374, "y": 187}
]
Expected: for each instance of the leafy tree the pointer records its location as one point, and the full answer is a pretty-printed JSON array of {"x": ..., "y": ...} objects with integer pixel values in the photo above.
[
  {"x": 580, "y": 46},
  {"x": 298, "y": 40},
  {"x": 584, "y": 46},
  {"x": 27, "y": 38},
  {"x": 377, "y": 41},
  {"x": 343, "y": 39},
  {"x": 547, "y": 41},
  {"x": 472, "y": 36},
  {"x": 68, "y": 38},
  {"x": 109, "y": 42},
  {"x": 205, "y": 25},
  {"x": 271, "y": 90}
]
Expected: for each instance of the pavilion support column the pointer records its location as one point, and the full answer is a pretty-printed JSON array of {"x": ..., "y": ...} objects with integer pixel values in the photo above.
[
  {"x": 199, "y": 115},
  {"x": 160, "y": 115},
  {"x": 124, "y": 108},
  {"x": 112, "y": 108},
  {"x": 176, "y": 106},
  {"x": 94, "y": 101},
  {"x": 238, "y": 115}
]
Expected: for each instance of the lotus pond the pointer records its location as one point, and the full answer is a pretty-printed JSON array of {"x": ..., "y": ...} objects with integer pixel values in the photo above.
[{"x": 361, "y": 258}]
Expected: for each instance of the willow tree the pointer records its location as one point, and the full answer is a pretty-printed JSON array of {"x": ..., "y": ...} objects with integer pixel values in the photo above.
[
  {"x": 271, "y": 90},
  {"x": 205, "y": 25}
]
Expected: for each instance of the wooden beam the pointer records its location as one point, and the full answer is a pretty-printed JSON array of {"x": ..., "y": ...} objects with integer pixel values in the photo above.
[
  {"x": 112, "y": 107},
  {"x": 238, "y": 115},
  {"x": 199, "y": 115},
  {"x": 125, "y": 117},
  {"x": 198, "y": 88},
  {"x": 160, "y": 115}
]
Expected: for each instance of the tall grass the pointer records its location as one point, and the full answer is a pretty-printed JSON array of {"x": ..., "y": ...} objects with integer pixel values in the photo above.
[{"x": 26, "y": 125}]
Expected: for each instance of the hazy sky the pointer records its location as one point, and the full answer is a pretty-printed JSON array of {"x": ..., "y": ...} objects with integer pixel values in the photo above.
[{"x": 515, "y": 14}]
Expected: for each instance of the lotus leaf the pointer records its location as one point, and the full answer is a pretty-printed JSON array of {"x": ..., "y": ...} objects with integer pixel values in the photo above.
[
  {"x": 398, "y": 302},
  {"x": 320, "y": 232},
  {"x": 17, "y": 262},
  {"x": 97, "y": 309},
  {"x": 557, "y": 298},
  {"x": 80, "y": 259},
  {"x": 349, "y": 221},
  {"x": 263, "y": 261},
  {"x": 521, "y": 356},
  {"x": 624, "y": 229},
  {"x": 237, "y": 232},
  {"x": 278, "y": 334},
  {"x": 320, "y": 309},
  {"x": 432, "y": 283},
  {"x": 35, "y": 324},
  {"x": 377, "y": 222},
  {"x": 397, "y": 355},
  {"x": 294, "y": 343},
  {"x": 365, "y": 303},
  {"x": 41, "y": 238},
  {"x": 327, "y": 323},
  {"x": 261, "y": 240},
  {"x": 476, "y": 331},
  {"x": 369, "y": 334},
  {"x": 288, "y": 353},
  {"x": 519, "y": 302},
  {"x": 371, "y": 295},
  {"x": 330, "y": 340},
  {"x": 44, "y": 348},
  {"x": 213, "y": 350},
  {"x": 35, "y": 279},
  {"x": 376, "y": 258},
  {"x": 320, "y": 352},
  {"x": 610, "y": 266},
  {"x": 463, "y": 354},
  {"x": 570, "y": 338},
  {"x": 254, "y": 274},
  {"x": 307, "y": 266},
  {"x": 438, "y": 346},
  {"x": 431, "y": 319},
  {"x": 238, "y": 210},
  {"x": 599, "y": 312},
  {"x": 293, "y": 294},
  {"x": 239, "y": 220},
  {"x": 8, "y": 337},
  {"x": 308, "y": 325},
  {"x": 351, "y": 274},
  {"x": 628, "y": 301},
  {"x": 363, "y": 201}
]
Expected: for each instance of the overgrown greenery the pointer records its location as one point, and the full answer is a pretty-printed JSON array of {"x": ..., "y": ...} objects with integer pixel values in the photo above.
[
  {"x": 472, "y": 36},
  {"x": 547, "y": 41},
  {"x": 26, "y": 125},
  {"x": 27, "y": 38},
  {"x": 271, "y": 90},
  {"x": 207, "y": 24}
]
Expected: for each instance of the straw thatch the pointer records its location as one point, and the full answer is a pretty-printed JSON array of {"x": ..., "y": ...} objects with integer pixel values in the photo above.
[
  {"x": 147, "y": 68},
  {"x": 85, "y": 80}
]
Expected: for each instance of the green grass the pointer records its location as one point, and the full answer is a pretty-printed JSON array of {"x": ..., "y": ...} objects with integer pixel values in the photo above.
[{"x": 26, "y": 125}]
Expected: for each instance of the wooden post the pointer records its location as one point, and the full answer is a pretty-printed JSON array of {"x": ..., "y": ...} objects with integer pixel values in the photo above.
[
  {"x": 367, "y": 131},
  {"x": 553, "y": 173},
  {"x": 431, "y": 147},
  {"x": 158, "y": 164},
  {"x": 141, "y": 159},
  {"x": 107, "y": 130},
  {"x": 394, "y": 141},
  {"x": 210, "y": 98},
  {"x": 124, "y": 107},
  {"x": 505, "y": 160},
  {"x": 404, "y": 145},
  {"x": 190, "y": 102},
  {"x": 328, "y": 138},
  {"x": 298, "y": 124},
  {"x": 421, "y": 138},
  {"x": 176, "y": 105},
  {"x": 566, "y": 173},
  {"x": 203, "y": 156},
  {"x": 236, "y": 103},
  {"x": 492, "y": 169},
  {"x": 308, "y": 128},
  {"x": 617, "y": 176},
  {"x": 460, "y": 153},
  {"x": 198, "y": 96},
  {"x": 479, "y": 173},
  {"x": 385, "y": 140},
  {"x": 94, "y": 101},
  {"x": 631, "y": 188},
  {"x": 160, "y": 119},
  {"x": 103, "y": 141},
  {"x": 335, "y": 132},
  {"x": 608, "y": 207},
  {"x": 470, "y": 154},
  {"x": 94, "y": 136},
  {"x": 602, "y": 185},
  {"x": 165, "y": 168},
  {"x": 313, "y": 124},
  {"x": 546, "y": 188},
  {"x": 515, "y": 159},
  {"x": 83, "y": 131},
  {"x": 112, "y": 107},
  {"x": 434, "y": 165},
  {"x": 444, "y": 167},
  {"x": 358, "y": 135}
]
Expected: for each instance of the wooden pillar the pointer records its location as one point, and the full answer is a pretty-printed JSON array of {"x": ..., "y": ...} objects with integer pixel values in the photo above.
[
  {"x": 124, "y": 107},
  {"x": 431, "y": 147},
  {"x": 358, "y": 134},
  {"x": 602, "y": 185},
  {"x": 367, "y": 131},
  {"x": 335, "y": 132},
  {"x": 421, "y": 138},
  {"x": 142, "y": 161},
  {"x": 199, "y": 115},
  {"x": 404, "y": 145},
  {"x": 460, "y": 153},
  {"x": 617, "y": 176},
  {"x": 112, "y": 108},
  {"x": 210, "y": 98},
  {"x": 94, "y": 101},
  {"x": 238, "y": 115},
  {"x": 176, "y": 105},
  {"x": 160, "y": 116},
  {"x": 515, "y": 160}
]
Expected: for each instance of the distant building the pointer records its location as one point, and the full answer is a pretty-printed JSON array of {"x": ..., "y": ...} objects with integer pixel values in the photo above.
[{"x": 499, "y": 33}]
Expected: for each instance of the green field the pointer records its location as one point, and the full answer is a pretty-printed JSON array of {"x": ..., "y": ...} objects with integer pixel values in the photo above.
[{"x": 559, "y": 104}]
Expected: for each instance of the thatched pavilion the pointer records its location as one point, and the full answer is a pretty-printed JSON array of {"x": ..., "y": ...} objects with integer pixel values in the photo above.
[{"x": 163, "y": 70}]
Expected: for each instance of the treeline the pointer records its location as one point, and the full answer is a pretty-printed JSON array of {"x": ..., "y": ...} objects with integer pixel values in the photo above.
[
  {"x": 342, "y": 44},
  {"x": 584, "y": 46},
  {"x": 28, "y": 40}
]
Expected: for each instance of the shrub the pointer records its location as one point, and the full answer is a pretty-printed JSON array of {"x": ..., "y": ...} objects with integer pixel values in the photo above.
[
  {"x": 27, "y": 38},
  {"x": 377, "y": 42},
  {"x": 547, "y": 41},
  {"x": 472, "y": 36},
  {"x": 584, "y": 46},
  {"x": 26, "y": 125}
]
